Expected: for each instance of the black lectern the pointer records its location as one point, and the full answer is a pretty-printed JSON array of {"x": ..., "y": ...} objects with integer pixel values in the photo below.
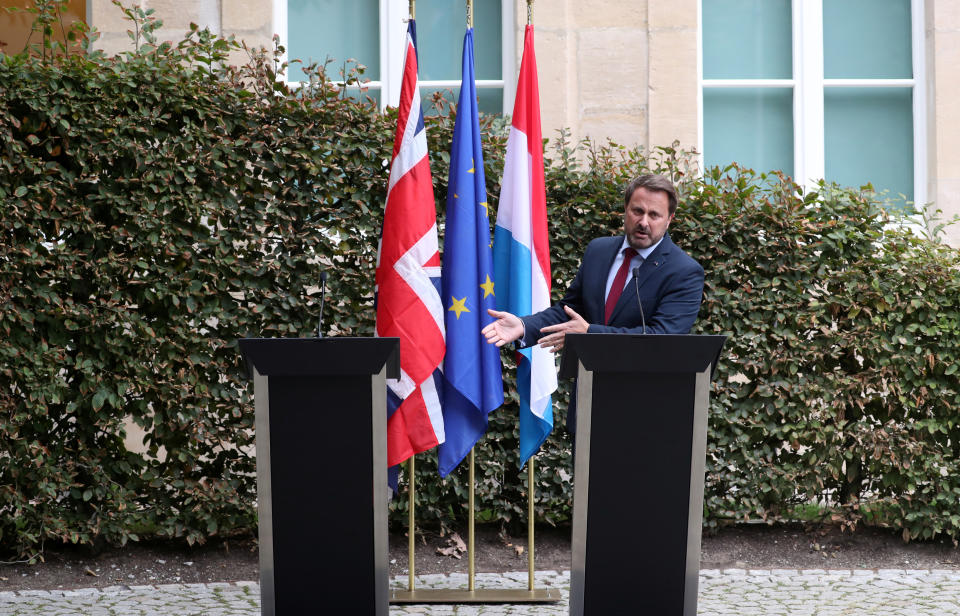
[
  {"x": 320, "y": 400},
  {"x": 638, "y": 474}
]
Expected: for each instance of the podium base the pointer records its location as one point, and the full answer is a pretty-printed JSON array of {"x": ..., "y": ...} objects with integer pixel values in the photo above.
[{"x": 487, "y": 595}]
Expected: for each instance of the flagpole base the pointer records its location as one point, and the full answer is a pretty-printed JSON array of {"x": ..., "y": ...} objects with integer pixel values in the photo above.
[{"x": 486, "y": 595}]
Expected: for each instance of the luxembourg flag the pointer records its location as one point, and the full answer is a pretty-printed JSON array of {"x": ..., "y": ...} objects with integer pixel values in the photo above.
[
  {"x": 521, "y": 255},
  {"x": 407, "y": 279}
]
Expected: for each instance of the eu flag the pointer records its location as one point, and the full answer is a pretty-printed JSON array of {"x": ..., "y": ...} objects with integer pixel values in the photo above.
[{"x": 473, "y": 385}]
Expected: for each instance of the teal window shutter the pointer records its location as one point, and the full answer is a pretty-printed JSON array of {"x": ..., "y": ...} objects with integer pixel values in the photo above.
[
  {"x": 869, "y": 138},
  {"x": 750, "y": 126},
  {"x": 747, "y": 39},
  {"x": 867, "y": 39},
  {"x": 441, "y": 25},
  {"x": 854, "y": 98},
  {"x": 868, "y": 130},
  {"x": 321, "y": 29}
]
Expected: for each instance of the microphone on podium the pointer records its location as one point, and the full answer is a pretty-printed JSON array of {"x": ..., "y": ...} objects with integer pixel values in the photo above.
[
  {"x": 636, "y": 286},
  {"x": 323, "y": 292}
]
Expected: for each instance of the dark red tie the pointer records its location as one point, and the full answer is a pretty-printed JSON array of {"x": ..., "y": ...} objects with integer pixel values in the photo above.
[{"x": 616, "y": 289}]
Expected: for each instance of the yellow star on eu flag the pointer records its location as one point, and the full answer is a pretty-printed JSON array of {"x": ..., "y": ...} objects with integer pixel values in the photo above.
[
  {"x": 459, "y": 305},
  {"x": 487, "y": 287},
  {"x": 486, "y": 207}
]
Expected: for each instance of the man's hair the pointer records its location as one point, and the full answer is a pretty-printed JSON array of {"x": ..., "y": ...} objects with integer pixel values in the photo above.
[{"x": 652, "y": 181}]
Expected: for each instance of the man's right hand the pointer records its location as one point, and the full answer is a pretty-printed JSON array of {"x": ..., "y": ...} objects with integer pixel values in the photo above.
[{"x": 504, "y": 330}]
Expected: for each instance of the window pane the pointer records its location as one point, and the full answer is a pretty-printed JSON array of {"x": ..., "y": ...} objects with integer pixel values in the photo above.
[
  {"x": 867, "y": 39},
  {"x": 338, "y": 29},
  {"x": 490, "y": 99},
  {"x": 750, "y": 126},
  {"x": 747, "y": 39},
  {"x": 441, "y": 25},
  {"x": 869, "y": 138}
]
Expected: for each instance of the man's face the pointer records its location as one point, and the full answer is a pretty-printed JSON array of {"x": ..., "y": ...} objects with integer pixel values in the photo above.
[{"x": 647, "y": 217}]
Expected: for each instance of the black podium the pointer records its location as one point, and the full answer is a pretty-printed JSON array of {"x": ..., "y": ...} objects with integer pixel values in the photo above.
[
  {"x": 642, "y": 404},
  {"x": 321, "y": 422}
]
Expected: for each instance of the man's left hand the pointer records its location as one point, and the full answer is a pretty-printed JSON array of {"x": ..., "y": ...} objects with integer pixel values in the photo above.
[{"x": 555, "y": 333}]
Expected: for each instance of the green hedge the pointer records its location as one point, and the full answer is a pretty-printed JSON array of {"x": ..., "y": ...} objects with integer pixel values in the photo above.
[
  {"x": 158, "y": 206},
  {"x": 840, "y": 383}
]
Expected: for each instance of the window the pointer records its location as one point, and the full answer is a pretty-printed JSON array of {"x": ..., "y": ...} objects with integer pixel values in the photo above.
[
  {"x": 817, "y": 88},
  {"x": 15, "y": 27},
  {"x": 373, "y": 32}
]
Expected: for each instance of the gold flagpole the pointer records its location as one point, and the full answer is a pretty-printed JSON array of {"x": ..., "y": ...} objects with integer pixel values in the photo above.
[
  {"x": 471, "y": 505},
  {"x": 530, "y": 473},
  {"x": 530, "y": 516},
  {"x": 471, "y": 563},
  {"x": 472, "y": 595},
  {"x": 411, "y": 526},
  {"x": 411, "y": 523}
]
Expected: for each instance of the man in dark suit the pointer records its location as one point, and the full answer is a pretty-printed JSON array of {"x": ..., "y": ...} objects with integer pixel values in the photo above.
[{"x": 605, "y": 296}]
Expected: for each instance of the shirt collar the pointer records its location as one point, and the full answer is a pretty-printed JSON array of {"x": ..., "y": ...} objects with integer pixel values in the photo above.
[{"x": 645, "y": 252}]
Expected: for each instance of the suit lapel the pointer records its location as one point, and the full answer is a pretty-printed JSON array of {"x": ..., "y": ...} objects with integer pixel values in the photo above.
[
  {"x": 657, "y": 259},
  {"x": 609, "y": 254}
]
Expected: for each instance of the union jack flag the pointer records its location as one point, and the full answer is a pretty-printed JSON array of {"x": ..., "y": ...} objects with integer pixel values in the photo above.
[{"x": 408, "y": 279}]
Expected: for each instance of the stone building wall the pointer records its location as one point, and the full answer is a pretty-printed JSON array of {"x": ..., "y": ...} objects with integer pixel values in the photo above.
[
  {"x": 626, "y": 71},
  {"x": 943, "y": 109}
]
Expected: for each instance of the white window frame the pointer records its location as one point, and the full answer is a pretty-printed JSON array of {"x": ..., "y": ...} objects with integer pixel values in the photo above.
[
  {"x": 808, "y": 85},
  {"x": 393, "y": 30}
]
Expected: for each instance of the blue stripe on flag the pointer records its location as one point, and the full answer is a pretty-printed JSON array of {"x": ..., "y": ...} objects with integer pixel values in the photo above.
[
  {"x": 533, "y": 430},
  {"x": 511, "y": 266}
]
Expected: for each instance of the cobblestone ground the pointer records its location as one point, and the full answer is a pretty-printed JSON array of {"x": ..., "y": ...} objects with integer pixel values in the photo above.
[{"x": 728, "y": 592}]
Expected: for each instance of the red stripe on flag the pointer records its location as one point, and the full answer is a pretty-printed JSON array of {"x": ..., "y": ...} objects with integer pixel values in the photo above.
[
  {"x": 407, "y": 87},
  {"x": 408, "y": 431},
  {"x": 526, "y": 119}
]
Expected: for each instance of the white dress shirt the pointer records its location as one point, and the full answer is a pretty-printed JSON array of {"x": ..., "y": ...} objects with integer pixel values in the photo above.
[{"x": 637, "y": 261}]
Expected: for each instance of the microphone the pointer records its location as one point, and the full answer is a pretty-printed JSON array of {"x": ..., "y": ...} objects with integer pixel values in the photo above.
[
  {"x": 323, "y": 292},
  {"x": 636, "y": 286}
]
